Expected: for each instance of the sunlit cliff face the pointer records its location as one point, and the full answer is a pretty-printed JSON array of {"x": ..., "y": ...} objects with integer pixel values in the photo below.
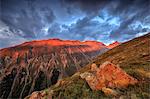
[
  {"x": 48, "y": 46},
  {"x": 101, "y": 20},
  {"x": 114, "y": 44}
]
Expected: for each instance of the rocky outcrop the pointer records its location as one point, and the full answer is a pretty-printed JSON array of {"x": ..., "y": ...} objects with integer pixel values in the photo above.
[
  {"x": 114, "y": 44},
  {"x": 41, "y": 95},
  {"x": 107, "y": 76}
]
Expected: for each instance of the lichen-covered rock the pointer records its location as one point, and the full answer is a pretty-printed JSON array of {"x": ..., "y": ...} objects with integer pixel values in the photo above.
[
  {"x": 35, "y": 95},
  {"x": 41, "y": 95},
  {"x": 106, "y": 76},
  {"x": 109, "y": 91},
  {"x": 91, "y": 79}
]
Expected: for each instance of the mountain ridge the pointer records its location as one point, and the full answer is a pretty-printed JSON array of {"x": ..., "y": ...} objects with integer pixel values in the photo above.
[
  {"x": 39, "y": 64},
  {"x": 114, "y": 44}
]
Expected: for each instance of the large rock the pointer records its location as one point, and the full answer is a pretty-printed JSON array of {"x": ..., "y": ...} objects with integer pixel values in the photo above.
[
  {"x": 41, "y": 95},
  {"x": 106, "y": 76}
]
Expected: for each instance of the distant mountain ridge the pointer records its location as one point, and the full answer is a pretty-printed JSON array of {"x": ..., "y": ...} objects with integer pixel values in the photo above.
[
  {"x": 114, "y": 44},
  {"x": 35, "y": 64}
]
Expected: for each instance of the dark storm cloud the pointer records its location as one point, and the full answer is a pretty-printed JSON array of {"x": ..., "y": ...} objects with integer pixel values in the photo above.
[
  {"x": 86, "y": 21},
  {"x": 116, "y": 6},
  {"x": 129, "y": 11},
  {"x": 89, "y": 5},
  {"x": 54, "y": 29},
  {"x": 26, "y": 15},
  {"x": 103, "y": 20},
  {"x": 85, "y": 29},
  {"x": 124, "y": 25}
]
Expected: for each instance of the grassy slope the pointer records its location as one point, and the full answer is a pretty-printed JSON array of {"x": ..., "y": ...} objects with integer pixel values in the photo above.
[{"x": 132, "y": 56}]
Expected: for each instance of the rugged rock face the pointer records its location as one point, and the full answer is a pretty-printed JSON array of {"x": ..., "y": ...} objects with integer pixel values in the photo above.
[
  {"x": 36, "y": 65},
  {"x": 39, "y": 95},
  {"x": 116, "y": 43},
  {"x": 107, "y": 75}
]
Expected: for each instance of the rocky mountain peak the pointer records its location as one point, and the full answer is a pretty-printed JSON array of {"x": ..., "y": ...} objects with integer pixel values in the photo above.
[{"x": 114, "y": 44}]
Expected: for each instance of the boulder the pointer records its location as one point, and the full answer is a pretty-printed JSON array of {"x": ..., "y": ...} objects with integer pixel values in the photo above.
[
  {"x": 109, "y": 91},
  {"x": 107, "y": 76}
]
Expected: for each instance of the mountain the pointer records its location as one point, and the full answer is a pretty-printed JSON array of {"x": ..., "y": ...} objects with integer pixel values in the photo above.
[
  {"x": 36, "y": 65},
  {"x": 133, "y": 57},
  {"x": 112, "y": 45}
]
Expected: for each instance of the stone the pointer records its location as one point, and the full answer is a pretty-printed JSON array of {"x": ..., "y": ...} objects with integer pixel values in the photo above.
[
  {"x": 41, "y": 95},
  {"x": 109, "y": 91},
  {"x": 91, "y": 79},
  {"x": 133, "y": 96},
  {"x": 106, "y": 76},
  {"x": 35, "y": 95},
  {"x": 94, "y": 67}
]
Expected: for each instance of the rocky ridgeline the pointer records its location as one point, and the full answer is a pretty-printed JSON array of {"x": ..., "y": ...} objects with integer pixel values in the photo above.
[{"x": 114, "y": 44}]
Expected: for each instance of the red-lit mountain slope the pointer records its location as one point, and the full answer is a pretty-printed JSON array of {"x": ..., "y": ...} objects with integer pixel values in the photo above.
[
  {"x": 114, "y": 44},
  {"x": 36, "y": 65}
]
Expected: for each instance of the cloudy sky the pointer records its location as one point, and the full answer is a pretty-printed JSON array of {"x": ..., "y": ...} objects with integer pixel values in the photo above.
[{"x": 102, "y": 20}]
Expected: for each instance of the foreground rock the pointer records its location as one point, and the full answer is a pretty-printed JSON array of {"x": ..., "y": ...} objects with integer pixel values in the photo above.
[
  {"x": 107, "y": 76},
  {"x": 41, "y": 95}
]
